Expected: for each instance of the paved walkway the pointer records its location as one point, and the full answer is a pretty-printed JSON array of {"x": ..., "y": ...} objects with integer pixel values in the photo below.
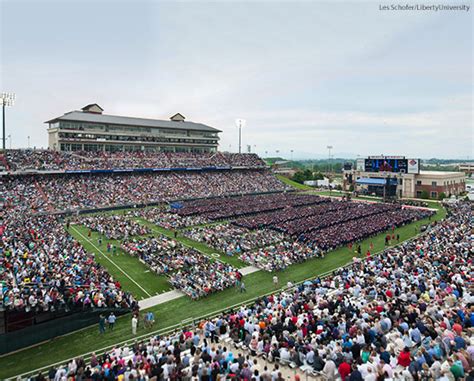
[
  {"x": 175, "y": 294},
  {"x": 248, "y": 270},
  {"x": 159, "y": 299}
]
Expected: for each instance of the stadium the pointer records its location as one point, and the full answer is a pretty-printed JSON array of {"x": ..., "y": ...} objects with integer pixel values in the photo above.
[{"x": 176, "y": 261}]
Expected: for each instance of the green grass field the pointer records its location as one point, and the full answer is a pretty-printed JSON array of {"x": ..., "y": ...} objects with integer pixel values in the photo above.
[
  {"x": 203, "y": 248},
  {"x": 133, "y": 275},
  {"x": 176, "y": 311},
  {"x": 294, "y": 184}
]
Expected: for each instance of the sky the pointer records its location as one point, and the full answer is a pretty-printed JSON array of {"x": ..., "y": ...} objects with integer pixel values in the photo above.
[{"x": 303, "y": 75}]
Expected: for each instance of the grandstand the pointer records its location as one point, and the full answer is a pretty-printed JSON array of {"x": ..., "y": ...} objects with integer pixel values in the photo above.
[{"x": 245, "y": 276}]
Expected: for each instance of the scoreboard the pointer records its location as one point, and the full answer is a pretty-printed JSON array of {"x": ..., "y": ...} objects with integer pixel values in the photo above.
[
  {"x": 390, "y": 164},
  {"x": 386, "y": 165}
]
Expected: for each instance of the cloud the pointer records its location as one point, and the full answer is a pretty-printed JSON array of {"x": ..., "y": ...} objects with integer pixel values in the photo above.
[{"x": 304, "y": 74}]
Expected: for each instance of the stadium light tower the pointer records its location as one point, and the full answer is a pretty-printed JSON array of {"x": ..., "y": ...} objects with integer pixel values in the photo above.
[
  {"x": 329, "y": 157},
  {"x": 6, "y": 100},
  {"x": 240, "y": 123}
]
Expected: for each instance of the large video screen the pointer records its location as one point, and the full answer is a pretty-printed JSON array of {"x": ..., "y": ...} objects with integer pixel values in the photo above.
[{"x": 386, "y": 165}]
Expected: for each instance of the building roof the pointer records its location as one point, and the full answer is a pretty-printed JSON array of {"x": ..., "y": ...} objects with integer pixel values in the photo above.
[
  {"x": 78, "y": 116},
  {"x": 93, "y": 107},
  {"x": 441, "y": 173},
  {"x": 369, "y": 181}
]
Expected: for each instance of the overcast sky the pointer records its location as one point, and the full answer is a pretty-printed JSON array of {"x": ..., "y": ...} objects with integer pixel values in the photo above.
[{"x": 304, "y": 75}]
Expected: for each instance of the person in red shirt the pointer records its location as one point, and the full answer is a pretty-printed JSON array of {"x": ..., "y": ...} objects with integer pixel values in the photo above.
[
  {"x": 404, "y": 357},
  {"x": 344, "y": 370}
]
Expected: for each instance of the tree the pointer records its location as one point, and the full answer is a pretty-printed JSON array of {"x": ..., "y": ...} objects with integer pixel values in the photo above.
[
  {"x": 441, "y": 196},
  {"x": 425, "y": 195},
  {"x": 318, "y": 176}
]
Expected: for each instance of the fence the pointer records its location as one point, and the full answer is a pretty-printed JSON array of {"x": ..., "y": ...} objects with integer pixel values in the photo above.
[{"x": 37, "y": 328}]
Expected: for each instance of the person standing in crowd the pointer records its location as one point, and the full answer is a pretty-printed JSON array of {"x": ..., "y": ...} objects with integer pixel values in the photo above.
[
  {"x": 275, "y": 281},
  {"x": 101, "y": 324},
  {"x": 134, "y": 324},
  {"x": 149, "y": 319},
  {"x": 111, "y": 320}
]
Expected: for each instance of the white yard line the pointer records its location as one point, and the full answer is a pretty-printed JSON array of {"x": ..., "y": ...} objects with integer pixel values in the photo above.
[
  {"x": 106, "y": 257},
  {"x": 249, "y": 270}
]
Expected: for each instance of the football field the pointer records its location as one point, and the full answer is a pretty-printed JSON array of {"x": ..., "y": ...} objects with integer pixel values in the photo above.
[{"x": 135, "y": 277}]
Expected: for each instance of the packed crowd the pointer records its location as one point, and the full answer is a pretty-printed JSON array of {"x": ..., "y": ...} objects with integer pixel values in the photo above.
[
  {"x": 167, "y": 219},
  {"x": 232, "y": 239},
  {"x": 404, "y": 315},
  {"x": 76, "y": 191},
  {"x": 189, "y": 271},
  {"x": 275, "y": 231},
  {"x": 407, "y": 314},
  {"x": 246, "y": 205},
  {"x": 280, "y": 255},
  {"x": 318, "y": 238},
  {"x": 201, "y": 276},
  {"x": 113, "y": 226},
  {"x": 356, "y": 230},
  {"x": 344, "y": 212},
  {"x": 46, "y": 160},
  {"x": 185, "y": 356},
  {"x": 289, "y": 213},
  {"x": 42, "y": 268}
]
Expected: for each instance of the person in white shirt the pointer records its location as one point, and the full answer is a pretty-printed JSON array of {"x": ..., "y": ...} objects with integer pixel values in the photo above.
[
  {"x": 284, "y": 355},
  {"x": 329, "y": 370},
  {"x": 134, "y": 325},
  {"x": 370, "y": 376}
]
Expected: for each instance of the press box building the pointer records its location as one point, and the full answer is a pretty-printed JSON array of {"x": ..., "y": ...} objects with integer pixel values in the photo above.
[{"x": 91, "y": 130}]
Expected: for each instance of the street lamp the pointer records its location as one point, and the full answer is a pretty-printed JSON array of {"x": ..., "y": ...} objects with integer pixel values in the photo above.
[
  {"x": 240, "y": 123},
  {"x": 6, "y": 100},
  {"x": 291, "y": 155},
  {"x": 10, "y": 140},
  {"x": 28, "y": 141}
]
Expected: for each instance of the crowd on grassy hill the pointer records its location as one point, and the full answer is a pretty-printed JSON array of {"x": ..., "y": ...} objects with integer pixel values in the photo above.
[
  {"x": 189, "y": 271},
  {"x": 46, "y": 160},
  {"x": 43, "y": 268},
  {"x": 75, "y": 191},
  {"x": 113, "y": 226},
  {"x": 407, "y": 314}
]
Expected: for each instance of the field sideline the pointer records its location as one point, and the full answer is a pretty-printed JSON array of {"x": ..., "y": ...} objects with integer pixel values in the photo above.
[{"x": 178, "y": 310}]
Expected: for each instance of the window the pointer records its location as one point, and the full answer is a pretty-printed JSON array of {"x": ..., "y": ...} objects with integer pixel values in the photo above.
[
  {"x": 434, "y": 194},
  {"x": 418, "y": 194},
  {"x": 434, "y": 184},
  {"x": 418, "y": 182}
]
